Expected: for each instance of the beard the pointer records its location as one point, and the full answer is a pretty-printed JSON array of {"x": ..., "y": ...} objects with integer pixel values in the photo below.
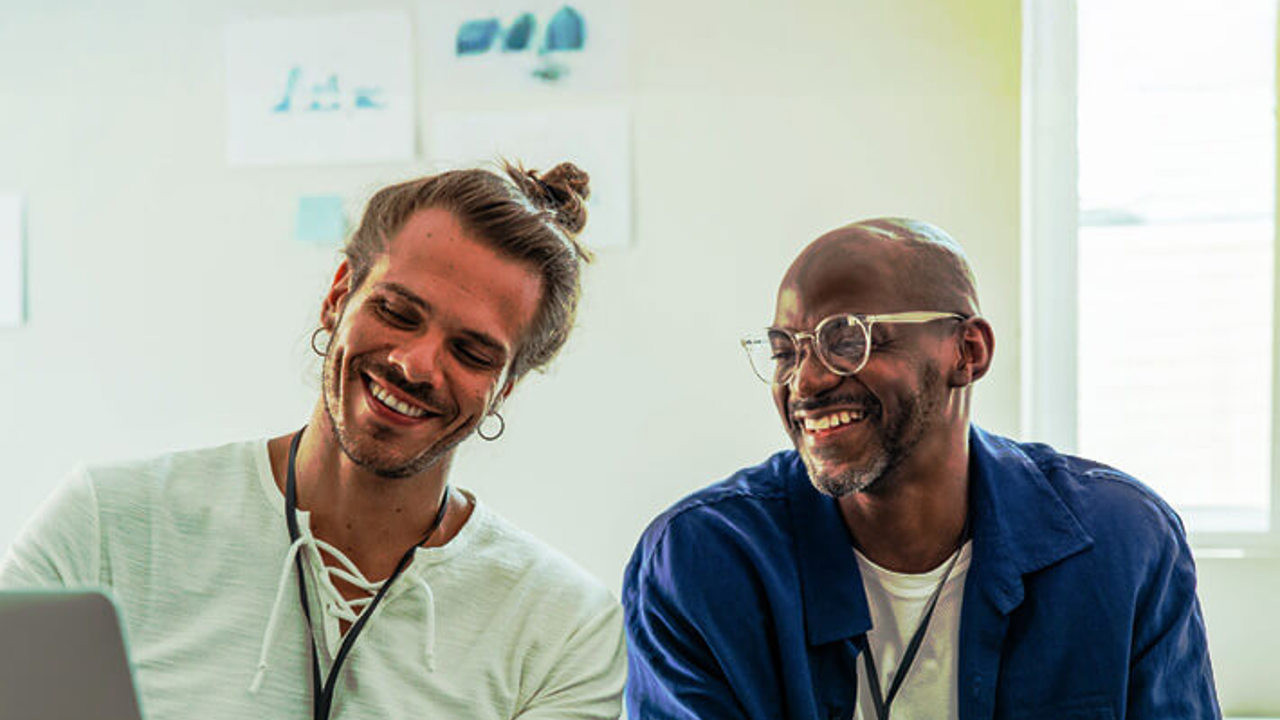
[
  {"x": 891, "y": 443},
  {"x": 846, "y": 481},
  {"x": 375, "y": 450}
]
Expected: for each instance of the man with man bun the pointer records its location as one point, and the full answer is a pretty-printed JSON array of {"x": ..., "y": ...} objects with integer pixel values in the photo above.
[
  {"x": 901, "y": 562},
  {"x": 333, "y": 571}
]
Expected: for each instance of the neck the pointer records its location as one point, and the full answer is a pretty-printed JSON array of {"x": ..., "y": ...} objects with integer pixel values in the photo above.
[
  {"x": 371, "y": 519},
  {"x": 913, "y": 521}
]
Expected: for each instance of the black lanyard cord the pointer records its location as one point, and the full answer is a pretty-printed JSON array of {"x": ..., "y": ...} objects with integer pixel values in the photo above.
[
  {"x": 881, "y": 702},
  {"x": 323, "y": 691}
]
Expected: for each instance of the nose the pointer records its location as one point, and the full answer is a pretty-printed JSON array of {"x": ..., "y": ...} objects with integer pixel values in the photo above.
[
  {"x": 811, "y": 376},
  {"x": 419, "y": 359}
]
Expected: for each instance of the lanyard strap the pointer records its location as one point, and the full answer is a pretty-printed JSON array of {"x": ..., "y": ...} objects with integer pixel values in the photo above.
[
  {"x": 322, "y": 692},
  {"x": 881, "y": 702}
]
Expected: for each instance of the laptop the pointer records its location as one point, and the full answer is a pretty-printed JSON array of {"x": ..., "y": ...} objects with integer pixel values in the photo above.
[{"x": 62, "y": 657}]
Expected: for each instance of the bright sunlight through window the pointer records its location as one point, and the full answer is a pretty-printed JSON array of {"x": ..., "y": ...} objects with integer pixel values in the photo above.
[{"x": 1176, "y": 122}]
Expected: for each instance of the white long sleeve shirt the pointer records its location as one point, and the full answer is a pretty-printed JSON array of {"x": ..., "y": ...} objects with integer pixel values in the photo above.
[{"x": 194, "y": 548}]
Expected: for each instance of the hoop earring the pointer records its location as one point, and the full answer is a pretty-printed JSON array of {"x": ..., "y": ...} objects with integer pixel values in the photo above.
[
  {"x": 315, "y": 334},
  {"x": 502, "y": 426}
]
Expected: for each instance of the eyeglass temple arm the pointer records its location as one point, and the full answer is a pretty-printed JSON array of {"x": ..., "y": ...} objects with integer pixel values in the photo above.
[{"x": 910, "y": 317}]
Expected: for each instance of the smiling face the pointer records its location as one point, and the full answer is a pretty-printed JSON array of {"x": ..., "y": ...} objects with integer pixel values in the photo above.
[
  {"x": 422, "y": 349},
  {"x": 854, "y": 431}
]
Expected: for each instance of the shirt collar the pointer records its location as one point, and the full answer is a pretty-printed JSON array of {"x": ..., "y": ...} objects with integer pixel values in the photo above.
[{"x": 1019, "y": 524}]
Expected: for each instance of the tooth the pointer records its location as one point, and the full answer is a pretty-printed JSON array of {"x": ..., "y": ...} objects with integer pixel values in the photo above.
[
  {"x": 844, "y": 417},
  {"x": 824, "y": 423},
  {"x": 410, "y": 410}
]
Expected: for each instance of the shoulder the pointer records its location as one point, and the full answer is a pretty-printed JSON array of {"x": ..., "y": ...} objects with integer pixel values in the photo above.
[
  {"x": 748, "y": 503},
  {"x": 188, "y": 491},
  {"x": 1105, "y": 500},
  {"x": 718, "y": 545},
  {"x": 118, "y": 511},
  {"x": 1126, "y": 519},
  {"x": 197, "y": 472},
  {"x": 536, "y": 612},
  {"x": 512, "y": 562},
  {"x": 181, "y": 465}
]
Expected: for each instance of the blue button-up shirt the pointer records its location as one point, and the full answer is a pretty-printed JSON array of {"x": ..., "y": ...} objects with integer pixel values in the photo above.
[{"x": 744, "y": 599}]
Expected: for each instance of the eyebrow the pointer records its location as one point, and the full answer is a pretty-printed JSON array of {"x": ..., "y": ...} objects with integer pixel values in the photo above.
[
  {"x": 404, "y": 293},
  {"x": 413, "y": 298}
]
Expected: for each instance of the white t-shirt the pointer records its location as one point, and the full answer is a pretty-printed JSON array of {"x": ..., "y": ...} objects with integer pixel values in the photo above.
[
  {"x": 897, "y": 602},
  {"x": 195, "y": 550}
]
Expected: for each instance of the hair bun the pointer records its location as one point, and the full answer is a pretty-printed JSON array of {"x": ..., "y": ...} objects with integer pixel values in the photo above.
[{"x": 563, "y": 190}]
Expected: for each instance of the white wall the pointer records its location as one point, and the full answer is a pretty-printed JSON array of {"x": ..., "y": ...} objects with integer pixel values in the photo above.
[{"x": 169, "y": 304}]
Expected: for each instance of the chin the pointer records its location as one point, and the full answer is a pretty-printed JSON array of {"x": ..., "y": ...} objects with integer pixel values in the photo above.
[
  {"x": 384, "y": 462},
  {"x": 378, "y": 455},
  {"x": 387, "y": 466},
  {"x": 838, "y": 482}
]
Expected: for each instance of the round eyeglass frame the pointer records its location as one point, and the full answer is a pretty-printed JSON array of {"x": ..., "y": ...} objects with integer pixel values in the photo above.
[{"x": 755, "y": 343}]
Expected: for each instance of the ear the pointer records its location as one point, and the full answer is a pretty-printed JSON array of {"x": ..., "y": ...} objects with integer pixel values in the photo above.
[
  {"x": 331, "y": 309},
  {"x": 976, "y": 344}
]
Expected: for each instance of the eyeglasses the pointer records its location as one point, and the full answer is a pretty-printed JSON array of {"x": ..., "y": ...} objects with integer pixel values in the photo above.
[{"x": 842, "y": 343}]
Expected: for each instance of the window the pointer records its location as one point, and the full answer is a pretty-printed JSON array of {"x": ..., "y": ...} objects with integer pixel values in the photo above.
[{"x": 1170, "y": 230}]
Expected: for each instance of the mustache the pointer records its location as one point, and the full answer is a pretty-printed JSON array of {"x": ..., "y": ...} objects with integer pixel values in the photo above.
[
  {"x": 424, "y": 393},
  {"x": 866, "y": 402}
]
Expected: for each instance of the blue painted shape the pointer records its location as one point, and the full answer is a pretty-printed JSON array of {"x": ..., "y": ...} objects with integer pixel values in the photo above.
[
  {"x": 369, "y": 98},
  {"x": 566, "y": 31},
  {"x": 289, "y": 85},
  {"x": 321, "y": 220},
  {"x": 550, "y": 71},
  {"x": 327, "y": 89},
  {"x": 519, "y": 34},
  {"x": 476, "y": 36}
]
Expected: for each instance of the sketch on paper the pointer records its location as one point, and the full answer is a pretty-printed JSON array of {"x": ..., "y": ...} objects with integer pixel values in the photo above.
[
  {"x": 506, "y": 44},
  {"x": 328, "y": 89},
  {"x": 565, "y": 31},
  {"x": 325, "y": 96}
]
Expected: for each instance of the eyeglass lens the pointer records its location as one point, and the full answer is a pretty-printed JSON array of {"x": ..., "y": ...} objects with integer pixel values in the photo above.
[{"x": 841, "y": 343}]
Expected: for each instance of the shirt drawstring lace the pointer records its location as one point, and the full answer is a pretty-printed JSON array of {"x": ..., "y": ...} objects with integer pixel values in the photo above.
[{"x": 333, "y": 601}]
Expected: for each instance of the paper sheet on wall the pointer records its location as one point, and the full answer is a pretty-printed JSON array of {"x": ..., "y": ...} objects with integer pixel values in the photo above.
[
  {"x": 329, "y": 89},
  {"x": 487, "y": 46},
  {"x": 595, "y": 139},
  {"x": 12, "y": 270}
]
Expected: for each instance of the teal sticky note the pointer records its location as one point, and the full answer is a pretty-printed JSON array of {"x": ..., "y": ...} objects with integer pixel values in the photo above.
[{"x": 321, "y": 220}]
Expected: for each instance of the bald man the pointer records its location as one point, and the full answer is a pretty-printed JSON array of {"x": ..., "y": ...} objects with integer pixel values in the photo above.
[{"x": 901, "y": 562}]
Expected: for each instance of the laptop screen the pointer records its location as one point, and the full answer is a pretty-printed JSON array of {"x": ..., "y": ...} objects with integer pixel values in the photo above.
[{"x": 63, "y": 656}]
